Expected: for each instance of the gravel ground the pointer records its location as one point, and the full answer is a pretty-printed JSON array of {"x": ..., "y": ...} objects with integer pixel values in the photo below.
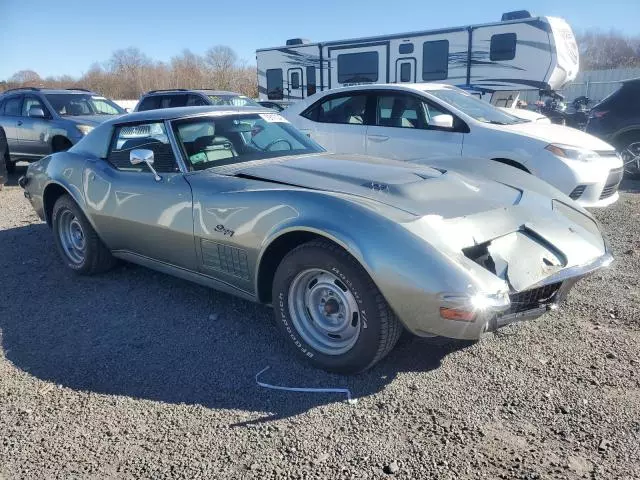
[{"x": 135, "y": 374}]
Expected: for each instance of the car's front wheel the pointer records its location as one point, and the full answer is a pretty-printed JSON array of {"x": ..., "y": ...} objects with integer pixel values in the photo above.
[
  {"x": 78, "y": 243},
  {"x": 629, "y": 147},
  {"x": 330, "y": 310},
  {"x": 4, "y": 153}
]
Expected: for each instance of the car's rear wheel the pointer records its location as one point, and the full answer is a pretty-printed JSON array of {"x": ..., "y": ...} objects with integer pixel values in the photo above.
[
  {"x": 78, "y": 243},
  {"x": 331, "y": 311},
  {"x": 4, "y": 153},
  {"x": 629, "y": 148}
]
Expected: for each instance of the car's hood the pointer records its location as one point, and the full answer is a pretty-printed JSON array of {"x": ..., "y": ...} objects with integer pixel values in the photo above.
[
  {"x": 415, "y": 189},
  {"x": 551, "y": 133},
  {"x": 90, "y": 119}
]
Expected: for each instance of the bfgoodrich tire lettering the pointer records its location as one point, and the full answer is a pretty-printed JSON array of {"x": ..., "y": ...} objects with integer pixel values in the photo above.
[
  {"x": 378, "y": 329},
  {"x": 86, "y": 254}
]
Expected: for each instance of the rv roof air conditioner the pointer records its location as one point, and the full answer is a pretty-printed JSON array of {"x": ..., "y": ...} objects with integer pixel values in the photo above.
[
  {"x": 515, "y": 15},
  {"x": 297, "y": 41}
]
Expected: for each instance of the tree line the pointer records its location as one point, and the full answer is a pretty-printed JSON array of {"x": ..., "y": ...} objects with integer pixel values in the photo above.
[{"x": 129, "y": 73}]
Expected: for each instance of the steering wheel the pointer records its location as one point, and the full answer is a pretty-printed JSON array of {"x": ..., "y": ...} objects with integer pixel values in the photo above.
[{"x": 276, "y": 141}]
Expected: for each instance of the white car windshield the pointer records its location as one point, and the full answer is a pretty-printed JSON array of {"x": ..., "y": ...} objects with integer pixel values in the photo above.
[{"x": 475, "y": 108}]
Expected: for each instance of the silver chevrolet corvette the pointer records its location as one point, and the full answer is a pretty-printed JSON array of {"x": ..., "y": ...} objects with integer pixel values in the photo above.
[{"x": 348, "y": 250}]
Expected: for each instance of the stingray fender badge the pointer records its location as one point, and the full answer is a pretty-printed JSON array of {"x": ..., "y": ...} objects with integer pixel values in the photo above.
[{"x": 224, "y": 231}]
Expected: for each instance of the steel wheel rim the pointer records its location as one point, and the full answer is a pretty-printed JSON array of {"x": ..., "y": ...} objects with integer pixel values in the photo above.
[
  {"x": 71, "y": 236},
  {"x": 324, "y": 311},
  {"x": 631, "y": 158}
]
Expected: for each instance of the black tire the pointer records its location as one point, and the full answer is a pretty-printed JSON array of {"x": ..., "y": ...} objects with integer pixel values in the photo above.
[
  {"x": 96, "y": 258},
  {"x": 4, "y": 153},
  {"x": 379, "y": 328},
  {"x": 629, "y": 142}
]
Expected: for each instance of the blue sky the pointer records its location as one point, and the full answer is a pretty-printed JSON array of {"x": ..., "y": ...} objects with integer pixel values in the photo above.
[{"x": 58, "y": 37}]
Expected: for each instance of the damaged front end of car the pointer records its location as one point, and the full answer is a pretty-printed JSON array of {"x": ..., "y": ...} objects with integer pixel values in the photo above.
[{"x": 521, "y": 262}]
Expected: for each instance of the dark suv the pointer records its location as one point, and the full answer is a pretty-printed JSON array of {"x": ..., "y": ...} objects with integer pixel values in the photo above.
[
  {"x": 39, "y": 121},
  {"x": 616, "y": 119},
  {"x": 181, "y": 97}
]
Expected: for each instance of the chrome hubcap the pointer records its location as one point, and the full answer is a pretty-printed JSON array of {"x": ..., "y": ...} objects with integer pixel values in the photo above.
[
  {"x": 324, "y": 311},
  {"x": 631, "y": 158},
  {"x": 71, "y": 236}
]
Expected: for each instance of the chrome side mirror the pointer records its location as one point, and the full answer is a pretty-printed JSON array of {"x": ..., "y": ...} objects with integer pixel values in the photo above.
[
  {"x": 142, "y": 155},
  {"x": 36, "y": 112},
  {"x": 442, "y": 121}
]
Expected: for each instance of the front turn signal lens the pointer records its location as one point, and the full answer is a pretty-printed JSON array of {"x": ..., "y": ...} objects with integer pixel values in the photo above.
[{"x": 457, "y": 314}]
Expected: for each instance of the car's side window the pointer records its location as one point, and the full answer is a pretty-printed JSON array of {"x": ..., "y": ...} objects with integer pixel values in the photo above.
[
  {"x": 149, "y": 136},
  {"x": 399, "y": 110},
  {"x": 30, "y": 102},
  {"x": 12, "y": 106},
  {"x": 195, "y": 101},
  {"x": 172, "y": 101},
  {"x": 349, "y": 109},
  {"x": 149, "y": 103}
]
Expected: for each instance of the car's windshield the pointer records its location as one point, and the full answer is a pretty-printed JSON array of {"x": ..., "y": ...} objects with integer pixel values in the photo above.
[
  {"x": 223, "y": 140},
  {"x": 75, "y": 104},
  {"x": 474, "y": 107},
  {"x": 233, "y": 100}
]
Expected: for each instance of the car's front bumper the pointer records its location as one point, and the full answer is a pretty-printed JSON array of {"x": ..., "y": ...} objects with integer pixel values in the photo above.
[
  {"x": 590, "y": 184},
  {"x": 540, "y": 299}
]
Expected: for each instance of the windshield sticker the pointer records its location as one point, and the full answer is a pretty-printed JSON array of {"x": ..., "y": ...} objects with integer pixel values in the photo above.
[
  {"x": 273, "y": 118},
  {"x": 95, "y": 97}
]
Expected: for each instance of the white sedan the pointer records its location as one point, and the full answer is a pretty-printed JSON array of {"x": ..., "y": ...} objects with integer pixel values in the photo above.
[{"x": 422, "y": 122}]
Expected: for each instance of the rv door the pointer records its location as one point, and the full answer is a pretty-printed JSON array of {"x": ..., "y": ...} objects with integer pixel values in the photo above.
[
  {"x": 358, "y": 65},
  {"x": 295, "y": 84}
]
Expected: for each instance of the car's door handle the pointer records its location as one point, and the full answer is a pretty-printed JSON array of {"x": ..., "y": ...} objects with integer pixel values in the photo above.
[
  {"x": 19, "y": 122},
  {"x": 379, "y": 138}
]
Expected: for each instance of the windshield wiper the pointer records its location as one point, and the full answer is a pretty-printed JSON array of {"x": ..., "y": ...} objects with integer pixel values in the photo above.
[{"x": 495, "y": 122}]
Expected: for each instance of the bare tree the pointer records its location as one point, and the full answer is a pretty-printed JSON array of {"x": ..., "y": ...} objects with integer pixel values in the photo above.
[
  {"x": 128, "y": 73},
  {"x": 600, "y": 51},
  {"x": 221, "y": 61}
]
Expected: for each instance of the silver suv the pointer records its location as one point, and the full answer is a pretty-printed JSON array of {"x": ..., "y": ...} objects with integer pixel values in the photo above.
[{"x": 40, "y": 121}]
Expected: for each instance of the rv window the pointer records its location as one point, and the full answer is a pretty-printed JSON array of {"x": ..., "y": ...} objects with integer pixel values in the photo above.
[
  {"x": 503, "y": 46},
  {"x": 405, "y": 72},
  {"x": 405, "y": 48},
  {"x": 311, "y": 80},
  {"x": 358, "y": 67},
  {"x": 435, "y": 60},
  {"x": 295, "y": 81},
  {"x": 274, "y": 84}
]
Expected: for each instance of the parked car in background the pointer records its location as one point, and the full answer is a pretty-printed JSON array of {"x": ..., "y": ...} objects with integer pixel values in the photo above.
[
  {"x": 40, "y": 121},
  {"x": 348, "y": 250},
  {"x": 273, "y": 105},
  {"x": 418, "y": 122},
  {"x": 3, "y": 167},
  {"x": 181, "y": 97},
  {"x": 616, "y": 119}
]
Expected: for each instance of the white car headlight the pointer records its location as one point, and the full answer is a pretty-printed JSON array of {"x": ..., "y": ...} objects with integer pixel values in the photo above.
[
  {"x": 84, "y": 129},
  {"x": 572, "y": 153}
]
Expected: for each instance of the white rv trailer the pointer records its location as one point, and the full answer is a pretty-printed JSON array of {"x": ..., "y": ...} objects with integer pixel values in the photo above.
[{"x": 520, "y": 52}]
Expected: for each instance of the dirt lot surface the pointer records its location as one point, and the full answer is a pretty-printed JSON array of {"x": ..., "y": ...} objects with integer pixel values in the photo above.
[{"x": 135, "y": 374}]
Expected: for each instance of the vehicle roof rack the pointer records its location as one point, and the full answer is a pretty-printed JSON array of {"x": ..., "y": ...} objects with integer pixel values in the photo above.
[
  {"x": 36, "y": 89},
  {"x": 80, "y": 89},
  {"x": 169, "y": 90}
]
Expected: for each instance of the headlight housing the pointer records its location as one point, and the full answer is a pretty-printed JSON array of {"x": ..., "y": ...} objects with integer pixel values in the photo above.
[
  {"x": 572, "y": 153},
  {"x": 84, "y": 129}
]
